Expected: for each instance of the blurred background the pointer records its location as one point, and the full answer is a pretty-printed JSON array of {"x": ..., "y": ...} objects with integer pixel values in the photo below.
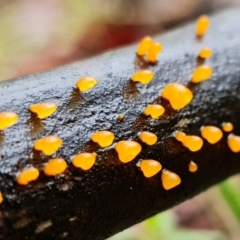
[{"x": 37, "y": 35}]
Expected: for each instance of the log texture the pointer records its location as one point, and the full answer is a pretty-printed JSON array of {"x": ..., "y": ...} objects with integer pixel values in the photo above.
[{"x": 112, "y": 196}]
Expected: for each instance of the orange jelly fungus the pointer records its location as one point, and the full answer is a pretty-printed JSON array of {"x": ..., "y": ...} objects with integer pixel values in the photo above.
[
  {"x": 150, "y": 167},
  {"x": 202, "y": 25},
  {"x": 170, "y": 179},
  {"x": 205, "y": 53},
  {"x": 179, "y": 136},
  {"x": 28, "y": 175},
  {"x": 55, "y": 166},
  {"x": 120, "y": 117},
  {"x": 227, "y": 126},
  {"x": 154, "y": 110},
  {"x": 201, "y": 73},
  {"x": 103, "y": 138},
  {"x": 7, "y": 119},
  {"x": 153, "y": 52},
  {"x": 144, "y": 45},
  {"x": 127, "y": 150},
  {"x": 234, "y": 143},
  {"x": 143, "y": 76},
  {"x": 43, "y": 110},
  {"x": 86, "y": 83},
  {"x": 148, "y": 138},
  {"x": 1, "y": 198},
  {"x": 84, "y": 160},
  {"x": 48, "y": 145},
  {"x": 211, "y": 134},
  {"x": 193, "y": 143},
  {"x": 178, "y": 95},
  {"x": 192, "y": 167}
]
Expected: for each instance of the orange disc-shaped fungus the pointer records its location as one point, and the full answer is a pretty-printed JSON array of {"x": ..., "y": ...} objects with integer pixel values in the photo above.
[
  {"x": 143, "y": 76},
  {"x": 170, "y": 179},
  {"x": 234, "y": 143},
  {"x": 48, "y": 145},
  {"x": 150, "y": 167},
  {"x": 144, "y": 46},
  {"x": 211, "y": 134},
  {"x": 43, "y": 110},
  {"x": 1, "y": 198},
  {"x": 153, "y": 52},
  {"x": 178, "y": 95},
  {"x": 148, "y": 138},
  {"x": 127, "y": 150},
  {"x": 55, "y": 166},
  {"x": 192, "y": 167},
  {"x": 179, "y": 136},
  {"x": 103, "y": 138},
  {"x": 227, "y": 126},
  {"x": 8, "y": 119},
  {"x": 202, "y": 25},
  {"x": 86, "y": 83},
  {"x": 201, "y": 73},
  {"x": 28, "y": 175},
  {"x": 193, "y": 143},
  {"x": 84, "y": 160},
  {"x": 205, "y": 53},
  {"x": 154, "y": 110}
]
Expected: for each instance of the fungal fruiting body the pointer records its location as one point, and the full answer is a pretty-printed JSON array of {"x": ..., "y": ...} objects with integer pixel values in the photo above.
[
  {"x": 148, "y": 137},
  {"x": 154, "y": 110},
  {"x": 44, "y": 109},
  {"x": 234, "y": 143},
  {"x": 55, "y": 166},
  {"x": 8, "y": 119},
  {"x": 192, "y": 167},
  {"x": 227, "y": 126},
  {"x": 127, "y": 150},
  {"x": 179, "y": 136},
  {"x": 103, "y": 138},
  {"x": 170, "y": 179},
  {"x": 86, "y": 83},
  {"x": 205, "y": 53},
  {"x": 201, "y": 73},
  {"x": 1, "y": 197},
  {"x": 28, "y": 175},
  {"x": 48, "y": 145},
  {"x": 143, "y": 76},
  {"x": 150, "y": 167},
  {"x": 178, "y": 95},
  {"x": 193, "y": 143},
  {"x": 144, "y": 46},
  {"x": 211, "y": 134},
  {"x": 120, "y": 117},
  {"x": 153, "y": 52},
  {"x": 84, "y": 160},
  {"x": 202, "y": 25}
]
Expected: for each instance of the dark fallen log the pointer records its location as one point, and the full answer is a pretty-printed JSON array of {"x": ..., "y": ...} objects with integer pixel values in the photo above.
[{"x": 113, "y": 196}]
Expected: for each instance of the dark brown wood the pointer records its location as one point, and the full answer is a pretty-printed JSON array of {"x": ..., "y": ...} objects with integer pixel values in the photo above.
[{"x": 113, "y": 196}]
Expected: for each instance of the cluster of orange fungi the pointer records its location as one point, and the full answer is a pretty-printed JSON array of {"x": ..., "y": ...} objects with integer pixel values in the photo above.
[{"x": 178, "y": 95}]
